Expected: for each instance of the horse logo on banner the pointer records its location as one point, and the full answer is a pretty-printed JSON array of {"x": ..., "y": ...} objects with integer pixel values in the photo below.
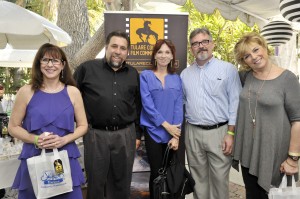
[{"x": 146, "y": 32}]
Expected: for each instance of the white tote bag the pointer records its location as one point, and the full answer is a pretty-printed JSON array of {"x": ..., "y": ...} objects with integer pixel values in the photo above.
[
  {"x": 50, "y": 174},
  {"x": 285, "y": 192}
]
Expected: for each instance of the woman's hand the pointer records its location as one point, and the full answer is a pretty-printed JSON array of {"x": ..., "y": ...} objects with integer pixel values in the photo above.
[
  {"x": 289, "y": 167},
  {"x": 173, "y": 129},
  {"x": 173, "y": 144},
  {"x": 50, "y": 141}
]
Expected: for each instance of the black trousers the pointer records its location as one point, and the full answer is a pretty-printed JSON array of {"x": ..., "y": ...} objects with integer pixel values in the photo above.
[
  {"x": 253, "y": 190},
  {"x": 155, "y": 153},
  {"x": 108, "y": 159},
  {"x": 2, "y": 193}
]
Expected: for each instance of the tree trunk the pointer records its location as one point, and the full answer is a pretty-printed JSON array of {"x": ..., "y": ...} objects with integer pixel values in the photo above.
[
  {"x": 73, "y": 17},
  {"x": 113, "y": 5},
  {"x": 90, "y": 49},
  {"x": 126, "y": 4}
]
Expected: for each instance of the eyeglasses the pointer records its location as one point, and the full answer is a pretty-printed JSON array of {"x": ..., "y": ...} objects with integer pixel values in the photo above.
[
  {"x": 53, "y": 61},
  {"x": 196, "y": 44}
]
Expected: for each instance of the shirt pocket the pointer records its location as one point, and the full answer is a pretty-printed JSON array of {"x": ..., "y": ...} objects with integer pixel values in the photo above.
[
  {"x": 175, "y": 89},
  {"x": 215, "y": 85},
  {"x": 129, "y": 92},
  {"x": 155, "y": 86}
]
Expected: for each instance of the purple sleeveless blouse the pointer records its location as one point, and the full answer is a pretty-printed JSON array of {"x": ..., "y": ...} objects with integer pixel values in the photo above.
[{"x": 49, "y": 112}]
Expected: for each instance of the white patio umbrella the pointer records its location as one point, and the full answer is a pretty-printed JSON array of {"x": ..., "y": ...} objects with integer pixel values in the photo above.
[
  {"x": 23, "y": 29},
  {"x": 16, "y": 58}
]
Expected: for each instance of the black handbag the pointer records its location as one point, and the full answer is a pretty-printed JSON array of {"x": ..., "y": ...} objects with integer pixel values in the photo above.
[
  {"x": 174, "y": 180},
  {"x": 160, "y": 187}
]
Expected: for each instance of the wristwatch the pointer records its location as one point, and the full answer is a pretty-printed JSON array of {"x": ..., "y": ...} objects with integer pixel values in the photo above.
[{"x": 295, "y": 158}]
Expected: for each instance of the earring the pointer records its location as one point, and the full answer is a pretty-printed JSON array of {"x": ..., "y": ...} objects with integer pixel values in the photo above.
[
  {"x": 171, "y": 63},
  {"x": 155, "y": 63},
  {"x": 62, "y": 73}
]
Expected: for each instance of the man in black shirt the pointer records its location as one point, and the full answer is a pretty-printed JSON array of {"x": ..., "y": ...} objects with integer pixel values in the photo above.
[{"x": 110, "y": 91}]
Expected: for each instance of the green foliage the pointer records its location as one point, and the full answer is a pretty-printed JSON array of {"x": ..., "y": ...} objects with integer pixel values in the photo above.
[
  {"x": 225, "y": 32},
  {"x": 96, "y": 5},
  {"x": 95, "y": 12},
  {"x": 13, "y": 78},
  {"x": 45, "y": 8}
]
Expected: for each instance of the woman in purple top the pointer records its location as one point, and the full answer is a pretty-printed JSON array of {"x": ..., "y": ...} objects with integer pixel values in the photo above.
[
  {"x": 162, "y": 111},
  {"x": 43, "y": 118}
]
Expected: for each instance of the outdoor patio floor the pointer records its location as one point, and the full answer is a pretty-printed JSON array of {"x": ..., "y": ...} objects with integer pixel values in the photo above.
[{"x": 139, "y": 188}]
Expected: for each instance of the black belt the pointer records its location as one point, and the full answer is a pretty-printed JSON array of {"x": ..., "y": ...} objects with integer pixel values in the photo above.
[
  {"x": 212, "y": 126},
  {"x": 110, "y": 127}
]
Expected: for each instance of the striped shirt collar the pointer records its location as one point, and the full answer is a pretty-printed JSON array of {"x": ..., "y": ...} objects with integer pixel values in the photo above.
[{"x": 201, "y": 67}]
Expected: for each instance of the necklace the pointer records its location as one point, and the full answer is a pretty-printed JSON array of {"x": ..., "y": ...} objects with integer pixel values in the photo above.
[
  {"x": 253, "y": 116},
  {"x": 52, "y": 90}
]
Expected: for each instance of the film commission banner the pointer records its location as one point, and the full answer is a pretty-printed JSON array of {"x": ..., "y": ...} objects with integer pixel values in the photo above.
[{"x": 144, "y": 29}]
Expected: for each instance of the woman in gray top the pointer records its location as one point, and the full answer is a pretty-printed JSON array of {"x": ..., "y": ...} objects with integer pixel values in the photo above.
[{"x": 268, "y": 125}]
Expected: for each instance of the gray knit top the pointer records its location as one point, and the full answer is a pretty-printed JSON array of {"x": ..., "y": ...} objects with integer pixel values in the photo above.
[{"x": 263, "y": 147}]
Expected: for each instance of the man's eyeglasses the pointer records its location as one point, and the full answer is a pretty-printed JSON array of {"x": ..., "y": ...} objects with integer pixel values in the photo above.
[
  {"x": 54, "y": 61},
  {"x": 196, "y": 44}
]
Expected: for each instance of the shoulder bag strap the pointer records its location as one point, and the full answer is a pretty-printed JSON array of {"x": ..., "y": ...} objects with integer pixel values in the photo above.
[{"x": 166, "y": 158}]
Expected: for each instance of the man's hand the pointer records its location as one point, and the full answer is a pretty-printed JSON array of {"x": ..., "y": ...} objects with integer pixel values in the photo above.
[
  {"x": 227, "y": 144},
  {"x": 137, "y": 143}
]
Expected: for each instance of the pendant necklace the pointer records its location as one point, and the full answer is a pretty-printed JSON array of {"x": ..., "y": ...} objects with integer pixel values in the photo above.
[
  {"x": 253, "y": 115},
  {"x": 52, "y": 90}
]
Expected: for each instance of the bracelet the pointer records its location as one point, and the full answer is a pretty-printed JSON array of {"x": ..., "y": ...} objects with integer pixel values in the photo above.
[
  {"x": 294, "y": 154},
  {"x": 290, "y": 164},
  {"x": 230, "y": 133},
  {"x": 36, "y": 137}
]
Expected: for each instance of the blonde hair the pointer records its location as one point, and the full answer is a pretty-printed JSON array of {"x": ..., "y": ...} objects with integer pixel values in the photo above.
[{"x": 242, "y": 45}]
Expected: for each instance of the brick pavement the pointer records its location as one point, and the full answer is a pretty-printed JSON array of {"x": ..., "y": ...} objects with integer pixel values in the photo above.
[
  {"x": 236, "y": 191},
  {"x": 141, "y": 192},
  {"x": 139, "y": 188}
]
